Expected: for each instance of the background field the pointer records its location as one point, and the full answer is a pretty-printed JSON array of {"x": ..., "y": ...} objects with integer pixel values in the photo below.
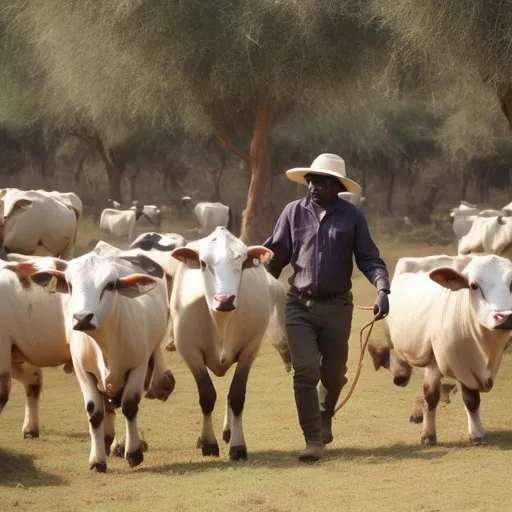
[{"x": 374, "y": 463}]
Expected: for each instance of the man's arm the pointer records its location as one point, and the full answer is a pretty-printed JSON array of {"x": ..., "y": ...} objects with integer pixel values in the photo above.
[
  {"x": 367, "y": 256},
  {"x": 280, "y": 243}
]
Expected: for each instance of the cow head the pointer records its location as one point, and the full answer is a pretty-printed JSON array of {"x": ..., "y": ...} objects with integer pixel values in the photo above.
[
  {"x": 488, "y": 281},
  {"x": 222, "y": 257},
  {"x": 94, "y": 284}
]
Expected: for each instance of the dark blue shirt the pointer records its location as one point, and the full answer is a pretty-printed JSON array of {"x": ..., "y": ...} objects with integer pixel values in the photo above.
[{"x": 320, "y": 251}]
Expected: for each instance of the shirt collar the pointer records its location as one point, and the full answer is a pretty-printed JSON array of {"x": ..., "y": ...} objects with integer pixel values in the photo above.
[{"x": 338, "y": 204}]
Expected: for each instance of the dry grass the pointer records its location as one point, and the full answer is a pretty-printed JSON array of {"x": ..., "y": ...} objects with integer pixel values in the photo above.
[{"x": 375, "y": 462}]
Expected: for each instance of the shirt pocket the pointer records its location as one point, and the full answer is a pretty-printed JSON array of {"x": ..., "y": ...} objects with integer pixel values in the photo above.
[{"x": 340, "y": 238}]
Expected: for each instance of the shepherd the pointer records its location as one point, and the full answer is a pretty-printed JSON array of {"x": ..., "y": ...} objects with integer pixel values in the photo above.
[{"x": 317, "y": 235}]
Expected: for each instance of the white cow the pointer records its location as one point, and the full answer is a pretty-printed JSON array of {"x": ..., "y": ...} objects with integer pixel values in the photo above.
[
  {"x": 488, "y": 235},
  {"x": 149, "y": 211},
  {"x": 465, "y": 215},
  {"x": 118, "y": 222},
  {"x": 453, "y": 324},
  {"x": 32, "y": 335},
  {"x": 33, "y": 219},
  {"x": 212, "y": 215},
  {"x": 353, "y": 198},
  {"x": 428, "y": 263},
  {"x": 221, "y": 306},
  {"x": 70, "y": 199},
  {"x": 115, "y": 321}
]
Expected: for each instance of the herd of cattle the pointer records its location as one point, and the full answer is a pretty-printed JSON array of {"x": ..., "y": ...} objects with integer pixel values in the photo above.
[
  {"x": 108, "y": 313},
  {"x": 120, "y": 222}
]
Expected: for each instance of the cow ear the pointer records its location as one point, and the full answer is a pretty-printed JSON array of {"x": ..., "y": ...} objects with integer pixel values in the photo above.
[
  {"x": 149, "y": 266},
  {"x": 51, "y": 280},
  {"x": 257, "y": 254},
  {"x": 188, "y": 256},
  {"x": 135, "y": 285},
  {"x": 449, "y": 278}
]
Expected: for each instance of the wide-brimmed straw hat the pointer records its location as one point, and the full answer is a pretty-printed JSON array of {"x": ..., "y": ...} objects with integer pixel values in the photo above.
[{"x": 327, "y": 164}]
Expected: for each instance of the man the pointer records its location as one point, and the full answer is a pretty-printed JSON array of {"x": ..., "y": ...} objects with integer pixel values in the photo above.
[{"x": 318, "y": 235}]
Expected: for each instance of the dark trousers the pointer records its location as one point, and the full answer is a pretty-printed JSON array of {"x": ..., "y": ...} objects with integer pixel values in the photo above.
[{"x": 318, "y": 333}]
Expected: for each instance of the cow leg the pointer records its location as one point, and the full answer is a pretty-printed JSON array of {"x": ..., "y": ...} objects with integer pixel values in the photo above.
[
  {"x": 162, "y": 380},
  {"x": 32, "y": 378},
  {"x": 431, "y": 395},
  {"x": 207, "y": 397},
  {"x": 96, "y": 413},
  {"x": 109, "y": 426},
  {"x": 236, "y": 401},
  {"x": 5, "y": 373},
  {"x": 130, "y": 406},
  {"x": 471, "y": 399}
]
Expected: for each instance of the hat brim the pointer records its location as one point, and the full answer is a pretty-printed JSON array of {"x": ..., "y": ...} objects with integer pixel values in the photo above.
[{"x": 297, "y": 175}]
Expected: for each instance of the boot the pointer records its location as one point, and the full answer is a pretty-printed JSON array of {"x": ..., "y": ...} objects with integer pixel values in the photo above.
[
  {"x": 312, "y": 453},
  {"x": 326, "y": 419}
]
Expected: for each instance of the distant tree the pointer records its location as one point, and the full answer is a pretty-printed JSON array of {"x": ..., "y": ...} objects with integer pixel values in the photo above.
[
  {"x": 235, "y": 69},
  {"x": 460, "y": 41}
]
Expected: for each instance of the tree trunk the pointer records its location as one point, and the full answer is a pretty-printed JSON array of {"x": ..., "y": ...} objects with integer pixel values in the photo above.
[
  {"x": 257, "y": 219},
  {"x": 114, "y": 167},
  {"x": 79, "y": 169},
  {"x": 505, "y": 99},
  {"x": 132, "y": 182}
]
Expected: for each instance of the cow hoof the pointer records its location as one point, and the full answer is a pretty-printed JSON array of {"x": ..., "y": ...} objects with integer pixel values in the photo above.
[
  {"x": 210, "y": 449},
  {"x": 238, "y": 453},
  {"x": 477, "y": 441},
  {"x": 163, "y": 390},
  {"x": 135, "y": 458},
  {"x": 379, "y": 353},
  {"x": 31, "y": 434},
  {"x": 226, "y": 436},
  {"x": 99, "y": 467},
  {"x": 68, "y": 367},
  {"x": 118, "y": 450},
  {"x": 401, "y": 380},
  {"x": 171, "y": 347},
  {"x": 416, "y": 417},
  {"x": 429, "y": 440}
]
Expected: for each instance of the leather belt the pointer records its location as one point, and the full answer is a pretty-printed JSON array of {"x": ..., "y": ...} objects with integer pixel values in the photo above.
[{"x": 317, "y": 297}]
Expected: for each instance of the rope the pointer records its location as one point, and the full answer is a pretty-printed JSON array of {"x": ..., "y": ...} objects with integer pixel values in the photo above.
[{"x": 362, "y": 345}]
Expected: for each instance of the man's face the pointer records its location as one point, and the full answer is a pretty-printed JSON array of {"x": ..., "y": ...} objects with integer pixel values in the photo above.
[{"x": 323, "y": 189}]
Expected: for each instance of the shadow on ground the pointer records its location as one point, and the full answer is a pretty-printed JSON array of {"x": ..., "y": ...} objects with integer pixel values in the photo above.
[
  {"x": 19, "y": 469},
  {"x": 283, "y": 459}
]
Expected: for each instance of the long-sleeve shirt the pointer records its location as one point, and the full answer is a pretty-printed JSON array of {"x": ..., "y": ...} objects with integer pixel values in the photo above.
[{"x": 320, "y": 250}]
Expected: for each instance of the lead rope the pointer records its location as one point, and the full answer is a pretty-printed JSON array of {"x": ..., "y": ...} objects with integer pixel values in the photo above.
[{"x": 362, "y": 345}]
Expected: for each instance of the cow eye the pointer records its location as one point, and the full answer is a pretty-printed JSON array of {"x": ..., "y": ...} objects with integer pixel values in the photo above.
[{"x": 473, "y": 286}]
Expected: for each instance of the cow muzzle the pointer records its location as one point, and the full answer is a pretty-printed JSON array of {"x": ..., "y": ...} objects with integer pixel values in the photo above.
[
  {"x": 505, "y": 320},
  {"x": 224, "y": 302},
  {"x": 84, "y": 321}
]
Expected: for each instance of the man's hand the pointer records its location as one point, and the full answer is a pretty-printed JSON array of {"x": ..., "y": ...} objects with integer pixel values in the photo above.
[{"x": 381, "y": 306}]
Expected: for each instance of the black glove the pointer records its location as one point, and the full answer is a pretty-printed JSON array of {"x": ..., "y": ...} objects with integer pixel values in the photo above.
[{"x": 381, "y": 306}]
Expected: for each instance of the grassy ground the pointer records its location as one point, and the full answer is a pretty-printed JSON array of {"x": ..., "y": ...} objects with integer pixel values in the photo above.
[{"x": 375, "y": 462}]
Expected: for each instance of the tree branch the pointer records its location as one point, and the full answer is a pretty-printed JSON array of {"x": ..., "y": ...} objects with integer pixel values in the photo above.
[{"x": 246, "y": 157}]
